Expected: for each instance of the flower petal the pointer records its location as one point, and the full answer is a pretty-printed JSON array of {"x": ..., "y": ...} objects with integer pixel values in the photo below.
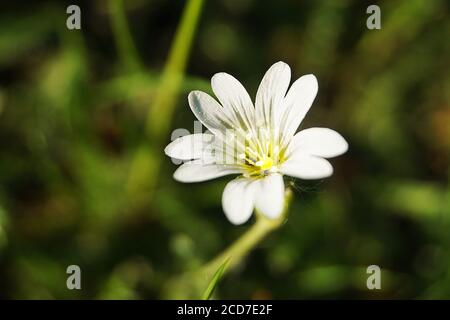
[
  {"x": 189, "y": 147},
  {"x": 306, "y": 167},
  {"x": 271, "y": 92},
  {"x": 196, "y": 171},
  {"x": 270, "y": 196},
  {"x": 234, "y": 99},
  {"x": 238, "y": 200},
  {"x": 296, "y": 104},
  {"x": 208, "y": 111},
  {"x": 322, "y": 142}
]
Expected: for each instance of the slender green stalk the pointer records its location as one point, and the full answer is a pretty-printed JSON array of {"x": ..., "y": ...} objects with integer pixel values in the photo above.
[
  {"x": 122, "y": 35},
  {"x": 240, "y": 248},
  {"x": 146, "y": 162},
  {"x": 160, "y": 113},
  {"x": 214, "y": 281},
  {"x": 191, "y": 284}
]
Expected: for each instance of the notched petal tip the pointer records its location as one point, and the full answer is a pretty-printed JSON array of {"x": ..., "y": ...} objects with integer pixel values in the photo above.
[
  {"x": 344, "y": 145},
  {"x": 238, "y": 201},
  {"x": 173, "y": 150},
  {"x": 280, "y": 64},
  {"x": 270, "y": 200},
  {"x": 235, "y": 221},
  {"x": 307, "y": 167},
  {"x": 184, "y": 174},
  {"x": 167, "y": 149},
  {"x": 194, "y": 96},
  {"x": 177, "y": 176},
  {"x": 218, "y": 76},
  {"x": 330, "y": 171},
  {"x": 340, "y": 145},
  {"x": 317, "y": 141},
  {"x": 312, "y": 80}
]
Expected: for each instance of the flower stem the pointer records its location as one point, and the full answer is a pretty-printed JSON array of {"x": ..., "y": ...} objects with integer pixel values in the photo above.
[
  {"x": 146, "y": 161},
  {"x": 189, "y": 285},
  {"x": 240, "y": 248},
  {"x": 122, "y": 35},
  {"x": 160, "y": 113}
]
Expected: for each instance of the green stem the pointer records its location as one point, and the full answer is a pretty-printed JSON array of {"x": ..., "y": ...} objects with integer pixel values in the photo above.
[
  {"x": 146, "y": 161},
  {"x": 191, "y": 284},
  {"x": 249, "y": 240},
  {"x": 122, "y": 35},
  {"x": 160, "y": 113},
  {"x": 240, "y": 248}
]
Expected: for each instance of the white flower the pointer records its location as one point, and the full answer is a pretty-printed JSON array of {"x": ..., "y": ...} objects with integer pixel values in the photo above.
[{"x": 257, "y": 142}]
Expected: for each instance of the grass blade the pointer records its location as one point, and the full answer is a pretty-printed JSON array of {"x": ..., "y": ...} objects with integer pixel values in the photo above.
[{"x": 215, "y": 280}]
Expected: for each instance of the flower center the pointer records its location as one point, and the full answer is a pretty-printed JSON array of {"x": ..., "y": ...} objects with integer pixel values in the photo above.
[
  {"x": 259, "y": 154},
  {"x": 259, "y": 165},
  {"x": 265, "y": 164}
]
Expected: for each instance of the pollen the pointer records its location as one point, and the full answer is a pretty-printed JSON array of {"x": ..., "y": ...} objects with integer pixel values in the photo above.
[{"x": 265, "y": 164}]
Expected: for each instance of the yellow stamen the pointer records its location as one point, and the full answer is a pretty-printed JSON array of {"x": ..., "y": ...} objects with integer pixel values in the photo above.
[{"x": 265, "y": 164}]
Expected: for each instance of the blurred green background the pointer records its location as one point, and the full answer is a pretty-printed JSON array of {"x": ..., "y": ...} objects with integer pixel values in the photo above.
[{"x": 85, "y": 114}]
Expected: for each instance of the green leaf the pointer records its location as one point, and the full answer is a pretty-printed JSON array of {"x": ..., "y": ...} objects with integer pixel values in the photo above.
[{"x": 215, "y": 280}]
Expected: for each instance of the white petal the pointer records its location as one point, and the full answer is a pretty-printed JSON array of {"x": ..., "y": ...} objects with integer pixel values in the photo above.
[
  {"x": 234, "y": 99},
  {"x": 296, "y": 104},
  {"x": 196, "y": 171},
  {"x": 238, "y": 200},
  {"x": 189, "y": 147},
  {"x": 208, "y": 111},
  {"x": 271, "y": 92},
  {"x": 270, "y": 196},
  {"x": 322, "y": 142},
  {"x": 307, "y": 167}
]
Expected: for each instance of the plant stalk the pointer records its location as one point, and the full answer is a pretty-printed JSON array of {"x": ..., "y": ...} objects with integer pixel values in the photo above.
[{"x": 191, "y": 284}]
